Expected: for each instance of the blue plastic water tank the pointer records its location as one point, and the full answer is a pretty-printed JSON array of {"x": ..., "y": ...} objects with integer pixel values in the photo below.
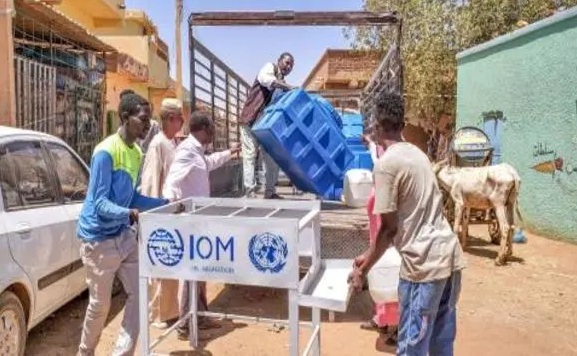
[
  {"x": 303, "y": 139},
  {"x": 352, "y": 124},
  {"x": 362, "y": 157},
  {"x": 325, "y": 105},
  {"x": 362, "y": 160}
]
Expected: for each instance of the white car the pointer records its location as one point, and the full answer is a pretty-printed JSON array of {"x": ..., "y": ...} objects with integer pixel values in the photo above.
[{"x": 42, "y": 185}]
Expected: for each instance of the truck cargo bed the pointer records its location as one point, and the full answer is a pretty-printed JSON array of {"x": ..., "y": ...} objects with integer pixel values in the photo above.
[{"x": 344, "y": 230}]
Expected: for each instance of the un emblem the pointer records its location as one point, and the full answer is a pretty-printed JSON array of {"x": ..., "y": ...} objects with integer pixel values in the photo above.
[
  {"x": 166, "y": 248},
  {"x": 268, "y": 252}
]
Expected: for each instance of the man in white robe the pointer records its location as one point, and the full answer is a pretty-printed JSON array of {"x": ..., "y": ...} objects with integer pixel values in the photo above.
[
  {"x": 163, "y": 307},
  {"x": 189, "y": 176}
]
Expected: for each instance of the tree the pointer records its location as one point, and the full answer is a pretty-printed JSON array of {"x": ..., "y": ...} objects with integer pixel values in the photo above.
[{"x": 434, "y": 31}]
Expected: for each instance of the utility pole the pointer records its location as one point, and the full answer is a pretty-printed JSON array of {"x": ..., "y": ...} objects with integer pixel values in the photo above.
[{"x": 177, "y": 37}]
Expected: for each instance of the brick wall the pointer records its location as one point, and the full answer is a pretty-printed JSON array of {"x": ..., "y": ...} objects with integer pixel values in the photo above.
[
  {"x": 352, "y": 65},
  {"x": 320, "y": 77},
  {"x": 344, "y": 69}
]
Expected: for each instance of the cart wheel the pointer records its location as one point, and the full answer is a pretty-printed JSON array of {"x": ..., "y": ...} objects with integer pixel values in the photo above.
[{"x": 494, "y": 232}]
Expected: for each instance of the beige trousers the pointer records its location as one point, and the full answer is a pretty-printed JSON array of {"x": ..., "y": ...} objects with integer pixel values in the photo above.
[
  {"x": 163, "y": 304},
  {"x": 103, "y": 261}
]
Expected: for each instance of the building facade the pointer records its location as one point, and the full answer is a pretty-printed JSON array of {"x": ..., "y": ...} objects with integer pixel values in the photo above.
[
  {"x": 341, "y": 74},
  {"x": 54, "y": 71},
  {"x": 142, "y": 62},
  {"x": 521, "y": 89}
]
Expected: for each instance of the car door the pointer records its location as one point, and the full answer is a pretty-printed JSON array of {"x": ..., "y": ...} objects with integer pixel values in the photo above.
[
  {"x": 72, "y": 180},
  {"x": 36, "y": 223}
]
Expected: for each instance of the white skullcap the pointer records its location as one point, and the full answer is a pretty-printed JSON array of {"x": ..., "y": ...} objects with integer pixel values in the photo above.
[{"x": 171, "y": 104}]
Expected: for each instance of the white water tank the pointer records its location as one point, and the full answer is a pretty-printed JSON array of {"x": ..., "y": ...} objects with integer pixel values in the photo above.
[
  {"x": 357, "y": 187},
  {"x": 383, "y": 278}
]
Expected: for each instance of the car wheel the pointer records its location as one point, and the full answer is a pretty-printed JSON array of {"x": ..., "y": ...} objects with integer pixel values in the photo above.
[{"x": 12, "y": 325}]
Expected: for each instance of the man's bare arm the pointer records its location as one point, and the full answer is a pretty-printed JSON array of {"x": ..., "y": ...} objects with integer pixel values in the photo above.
[
  {"x": 384, "y": 239},
  {"x": 278, "y": 83}
]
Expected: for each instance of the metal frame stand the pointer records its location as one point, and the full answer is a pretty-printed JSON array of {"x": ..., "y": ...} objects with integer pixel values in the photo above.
[{"x": 305, "y": 294}]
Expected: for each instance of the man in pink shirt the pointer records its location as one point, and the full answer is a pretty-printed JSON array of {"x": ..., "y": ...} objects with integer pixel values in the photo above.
[{"x": 189, "y": 177}]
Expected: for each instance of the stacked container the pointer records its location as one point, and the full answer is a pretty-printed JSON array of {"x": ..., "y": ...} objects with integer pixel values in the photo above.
[
  {"x": 353, "y": 128},
  {"x": 301, "y": 133}
]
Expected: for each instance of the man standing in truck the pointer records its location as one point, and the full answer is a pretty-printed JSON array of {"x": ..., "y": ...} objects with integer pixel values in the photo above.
[
  {"x": 410, "y": 205},
  {"x": 269, "y": 82}
]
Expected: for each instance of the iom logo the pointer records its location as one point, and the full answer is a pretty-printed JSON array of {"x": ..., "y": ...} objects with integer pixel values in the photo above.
[
  {"x": 165, "y": 248},
  {"x": 268, "y": 252}
]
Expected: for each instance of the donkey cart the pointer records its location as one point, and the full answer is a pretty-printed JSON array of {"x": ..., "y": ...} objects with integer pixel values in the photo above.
[{"x": 471, "y": 147}]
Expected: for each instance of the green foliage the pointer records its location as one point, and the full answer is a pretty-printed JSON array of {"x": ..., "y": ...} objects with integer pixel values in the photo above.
[{"x": 434, "y": 31}]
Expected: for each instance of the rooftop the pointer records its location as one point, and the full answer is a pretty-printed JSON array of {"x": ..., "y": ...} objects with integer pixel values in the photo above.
[
  {"x": 59, "y": 22},
  {"x": 142, "y": 18}
]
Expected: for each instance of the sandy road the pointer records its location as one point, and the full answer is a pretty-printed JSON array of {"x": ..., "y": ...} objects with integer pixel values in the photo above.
[{"x": 526, "y": 308}]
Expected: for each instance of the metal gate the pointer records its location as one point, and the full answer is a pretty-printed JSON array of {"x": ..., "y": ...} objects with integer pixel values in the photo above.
[
  {"x": 35, "y": 95},
  {"x": 215, "y": 87},
  {"x": 49, "y": 102},
  {"x": 388, "y": 78}
]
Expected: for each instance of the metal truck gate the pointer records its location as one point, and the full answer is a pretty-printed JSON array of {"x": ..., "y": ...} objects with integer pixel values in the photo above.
[
  {"x": 215, "y": 87},
  {"x": 338, "y": 240}
]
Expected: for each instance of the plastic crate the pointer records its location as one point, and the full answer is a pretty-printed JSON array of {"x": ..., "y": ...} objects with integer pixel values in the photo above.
[
  {"x": 362, "y": 157},
  {"x": 352, "y": 124},
  {"x": 361, "y": 160},
  {"x": 305, "y": 142},
  {"x": 326, "y": 106}
]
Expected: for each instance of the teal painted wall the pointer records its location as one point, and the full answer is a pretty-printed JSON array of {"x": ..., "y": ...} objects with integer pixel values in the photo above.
[{"x": 531, "y": 76}]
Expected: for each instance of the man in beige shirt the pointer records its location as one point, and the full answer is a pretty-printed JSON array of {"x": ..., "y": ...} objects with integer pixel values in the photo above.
[
  {"x": 410, "y": 205},
  {"x": 164, "y": 302}
]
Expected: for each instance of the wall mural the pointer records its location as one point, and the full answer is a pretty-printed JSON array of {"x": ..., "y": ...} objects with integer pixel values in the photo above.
[
  {"x": 556, "y": 165},
  {"x": 559, "y": 168},
  {"x": 563, "y": 170}
]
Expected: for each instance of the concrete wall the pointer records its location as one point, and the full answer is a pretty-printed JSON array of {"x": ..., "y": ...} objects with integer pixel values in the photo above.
[
  {"x": 158, "y": 69},
  {"x": 72, "y": 10},
  {"x": 531, "y": 76},
  {"x": 116, "y": 83},
  {"x": 135, "y": 46}
]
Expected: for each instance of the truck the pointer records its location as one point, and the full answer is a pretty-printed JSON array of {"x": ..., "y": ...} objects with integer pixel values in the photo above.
[{"x": 216, "y": 87}]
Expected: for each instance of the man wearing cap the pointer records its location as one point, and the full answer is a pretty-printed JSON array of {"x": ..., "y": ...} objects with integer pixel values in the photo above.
[{"x": 163, "y": 308}]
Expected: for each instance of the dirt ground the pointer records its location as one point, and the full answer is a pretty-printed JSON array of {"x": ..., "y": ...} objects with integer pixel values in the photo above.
[{"x": 526, "y": 308}]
